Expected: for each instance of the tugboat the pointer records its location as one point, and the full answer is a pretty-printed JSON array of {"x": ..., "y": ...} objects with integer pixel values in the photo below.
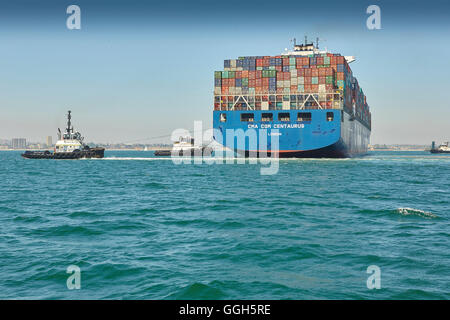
[
  {"x": 443, "y": 148},
  {"x": 70, "y": 145},
  {"x": 183, "y": 147}
]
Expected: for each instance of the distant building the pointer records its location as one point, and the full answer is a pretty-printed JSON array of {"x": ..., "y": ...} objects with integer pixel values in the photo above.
[
  {"x": 49, "y": 141},
  {"x": 19, "y": 143}
]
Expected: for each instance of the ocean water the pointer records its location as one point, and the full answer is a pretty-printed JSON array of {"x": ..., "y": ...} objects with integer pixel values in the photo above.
[{"x": 143, "y": 228}]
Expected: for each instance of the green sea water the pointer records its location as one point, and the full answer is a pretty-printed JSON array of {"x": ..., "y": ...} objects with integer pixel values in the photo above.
[{"x": 145, "y": 228}]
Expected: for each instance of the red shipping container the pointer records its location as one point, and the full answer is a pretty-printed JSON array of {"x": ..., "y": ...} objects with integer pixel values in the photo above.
[
  {"x": 301, "y": 72},
  {"x": 319, "y": 60},
  {"x": 307, "y": 88},
  {"x": 329, "y": 71},
  {"x": 340, "y": 60},
  {"x": 224, "y": 89},
  {"x": 238, "y": 74},
  {"x": 308, "y": 80},
  {"x": 265, "y": 82},
  {"x": 322, "y": 72},
  {"x": 322, "y": 80},
  {"x": 252, "y": 75},
  {"x": 340, "y": 76},
  {"x": 294, "y": 89},
  {"x": 329, "y": 87},
  {"x": 258, "y": 74},
  {"x": 286, "y": 76},
  {"x": 280, "y": 90},
  {"x": 285, "y": 61},
  {"x": 266, "y": 62},
  {"x": 245, "y": 74},
  {"x": 280, "y": 76},
  {"x": 259, "y": 62},
  {"x": 258, "y": 82},
  {"x": 279, "y": 68},
  {"x": 315, "y": 87},
  {"x": 308, "y": 72},
  {"x": 314, "y": 72},
  {"x": 231, "y": 82},
  {"x": 251, "y": 83}
]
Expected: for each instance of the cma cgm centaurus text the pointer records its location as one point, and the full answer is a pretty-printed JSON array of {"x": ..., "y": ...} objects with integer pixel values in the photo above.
[{"x": 307, "y": 98}]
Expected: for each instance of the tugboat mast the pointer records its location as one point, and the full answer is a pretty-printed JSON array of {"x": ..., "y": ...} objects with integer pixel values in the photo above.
[{"x": 68, "y": 122}]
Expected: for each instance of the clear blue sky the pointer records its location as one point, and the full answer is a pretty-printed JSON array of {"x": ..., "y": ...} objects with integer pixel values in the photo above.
[{"x": 139, "y": 69}]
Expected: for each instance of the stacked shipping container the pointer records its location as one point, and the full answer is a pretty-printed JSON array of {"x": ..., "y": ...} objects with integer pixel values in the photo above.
[{"x": 283, "y": 82}]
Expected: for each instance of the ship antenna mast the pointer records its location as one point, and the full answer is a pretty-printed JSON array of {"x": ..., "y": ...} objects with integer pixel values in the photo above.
[
  {"x": 306, "y": 40},
  {"x": 294, "y": 41},
  {"x": 317, "y": 43}
]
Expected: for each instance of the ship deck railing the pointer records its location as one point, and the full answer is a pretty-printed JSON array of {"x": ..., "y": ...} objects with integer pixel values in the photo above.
[{"x": 278, "y": 101}]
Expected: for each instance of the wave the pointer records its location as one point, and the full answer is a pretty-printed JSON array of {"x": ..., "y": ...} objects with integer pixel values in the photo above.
[{"x": 415, "y": 212}]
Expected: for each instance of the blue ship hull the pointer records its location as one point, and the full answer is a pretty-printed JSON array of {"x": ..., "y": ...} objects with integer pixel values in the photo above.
[{"x": 327, "y": 133}]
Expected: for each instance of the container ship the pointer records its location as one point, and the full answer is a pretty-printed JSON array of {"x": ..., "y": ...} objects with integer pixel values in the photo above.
[{"x": 307, "y": 98}]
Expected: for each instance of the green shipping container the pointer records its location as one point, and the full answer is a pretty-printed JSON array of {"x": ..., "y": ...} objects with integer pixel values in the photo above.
[
  {"x": 315, "y": 80},
  {"x": 231, "y": 74},
  {"x": 225, "y": 75},
  {"x": 292, "y": 62},
  {"x": 329, "y": 80},
  {"x": 218, "y": 74},
  {"x": 244, "y": 82},
  {"x": 272, "y": 73}
]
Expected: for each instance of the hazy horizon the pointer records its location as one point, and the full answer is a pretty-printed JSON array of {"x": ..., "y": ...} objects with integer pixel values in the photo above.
[{"x": 137, "y": 70}]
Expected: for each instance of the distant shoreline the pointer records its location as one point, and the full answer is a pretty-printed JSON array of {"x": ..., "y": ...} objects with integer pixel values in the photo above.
[{"x": 169, "y": 148}]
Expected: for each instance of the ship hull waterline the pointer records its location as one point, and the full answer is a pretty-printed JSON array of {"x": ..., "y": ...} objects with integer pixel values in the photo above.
[
  {"x": 93, "y": 153},
  {"x": 318, "y": 137}
]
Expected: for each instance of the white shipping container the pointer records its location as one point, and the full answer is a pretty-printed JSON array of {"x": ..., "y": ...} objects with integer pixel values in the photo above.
[
  {"x": 265, "y": 105},
  {"x": 286, "y": 105}
]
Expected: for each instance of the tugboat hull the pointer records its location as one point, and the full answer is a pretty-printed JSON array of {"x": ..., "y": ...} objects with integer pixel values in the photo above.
[
  {"x": 438, "y": 151},
  {"x": 83, "y": 154}
]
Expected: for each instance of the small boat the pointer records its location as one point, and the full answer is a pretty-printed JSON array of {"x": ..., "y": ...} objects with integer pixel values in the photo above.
[
  {"x": 443, "y": 148},
  {"x": 183, "y": 147},
  {"x": 70, "y": 145}
]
